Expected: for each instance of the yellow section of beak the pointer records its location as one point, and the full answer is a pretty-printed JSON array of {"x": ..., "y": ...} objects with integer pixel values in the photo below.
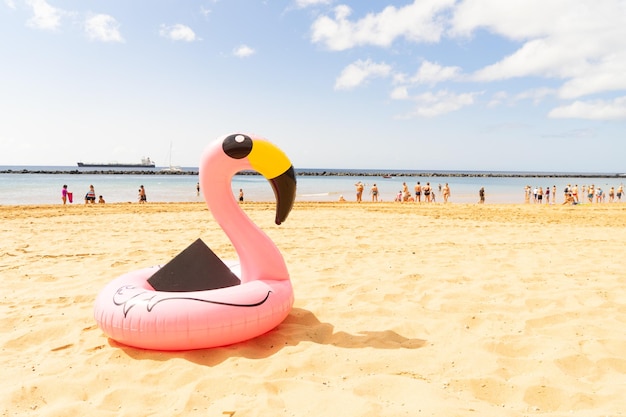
[{"x": 267, "y": 159}]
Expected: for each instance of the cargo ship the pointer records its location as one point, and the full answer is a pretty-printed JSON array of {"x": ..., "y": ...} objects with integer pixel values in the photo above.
[{"x": 145, "y": 163}]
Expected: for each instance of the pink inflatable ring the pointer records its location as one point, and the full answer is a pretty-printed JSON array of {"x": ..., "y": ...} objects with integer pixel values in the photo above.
[{"x": 255, "y": 299}]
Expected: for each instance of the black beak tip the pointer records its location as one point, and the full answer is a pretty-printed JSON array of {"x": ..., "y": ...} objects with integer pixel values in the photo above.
[{"x": 285, "y": 191}]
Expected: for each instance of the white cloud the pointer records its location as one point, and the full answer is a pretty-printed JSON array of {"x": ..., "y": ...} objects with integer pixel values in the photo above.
[
  {"x": 302, "y": 4},
  {"x": 100, "y": 27},
  {"x": 10, "y": 4},
  {"x": 604, "y": 75},
  {"x": 433, "y": 73},
  {"x": 205, "y": 11},
  {"x": 417, "y": 22},
  {"x": 178, "y": 32},
  {"x": 578, "y": 41},
  {"x": 592, "y": 110},
  {"x": 578, "y": 45},
  {"x": 243, "y": 51},
  {"x": 431, "y": 104},
  {"x": 359, "y": 72},
  {"x": 536, "y": 58},
  {"x": 399, "y": 93},
  {"x": 515, "y": 19},
  {"x": 537, "y": 95},
  {"x": 45, "y": 17},
  {"x": 436, "y": 104},
  {"x": 498, "y": 98},
  {"x": 104, "y": 28}
]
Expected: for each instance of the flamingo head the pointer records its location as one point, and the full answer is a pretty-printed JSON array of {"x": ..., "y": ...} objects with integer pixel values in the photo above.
[{"x": 241, "y": 151}]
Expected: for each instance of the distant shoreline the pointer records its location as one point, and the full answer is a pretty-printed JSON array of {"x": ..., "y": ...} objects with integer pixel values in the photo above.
[{"x": 326, "y": 173}]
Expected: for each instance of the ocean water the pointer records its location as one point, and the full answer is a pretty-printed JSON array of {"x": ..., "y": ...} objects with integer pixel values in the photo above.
[{"x": 30, "y": 188}]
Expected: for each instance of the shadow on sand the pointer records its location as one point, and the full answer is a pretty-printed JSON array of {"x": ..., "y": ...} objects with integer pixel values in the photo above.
[{"x": 299, "y": 326}]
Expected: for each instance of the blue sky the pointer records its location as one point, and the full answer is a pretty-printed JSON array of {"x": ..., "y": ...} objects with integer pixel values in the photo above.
[{"x": 530, "y": 85}]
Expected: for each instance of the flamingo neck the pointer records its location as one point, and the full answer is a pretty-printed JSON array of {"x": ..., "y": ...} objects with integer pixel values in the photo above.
[{"x": 259, "y": 257}]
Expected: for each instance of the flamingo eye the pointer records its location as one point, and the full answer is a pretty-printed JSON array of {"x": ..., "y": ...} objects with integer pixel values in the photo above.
[{"x": 237, "y": 146}]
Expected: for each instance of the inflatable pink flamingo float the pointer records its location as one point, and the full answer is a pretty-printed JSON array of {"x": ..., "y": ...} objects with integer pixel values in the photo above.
[{"x": 196, "y": 301}]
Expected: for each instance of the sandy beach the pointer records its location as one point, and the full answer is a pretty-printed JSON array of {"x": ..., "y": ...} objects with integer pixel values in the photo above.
[{"x": 400, "y": 310}]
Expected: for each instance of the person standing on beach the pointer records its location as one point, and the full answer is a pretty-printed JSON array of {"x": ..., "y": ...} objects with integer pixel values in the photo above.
[
  {"x": 374, "y": 192},
  {"x": 359, "y": 191},
  {"x": 405, "y": 192},
  {"x": 64, "y": 194},
  {"x": 548, "y": 195},
  {"x": 418, "y": 192},
  {"x": 620, "y": 191},
  {"x": 142, "y": 195},
  {"x": 241, "y": 195},
  {"x": 198, "y": 189},
  {"x": 427, "y": 191},
  {"x": 446, "y": 193},
  {"x": 481, "y": 195}
]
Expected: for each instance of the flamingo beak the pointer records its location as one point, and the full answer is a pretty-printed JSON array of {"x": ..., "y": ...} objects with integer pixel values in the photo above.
[{"x": 274, "y": 165}]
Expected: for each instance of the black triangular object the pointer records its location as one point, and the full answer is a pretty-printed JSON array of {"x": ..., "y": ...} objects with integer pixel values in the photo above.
[{"x": 196, "y": 268}]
